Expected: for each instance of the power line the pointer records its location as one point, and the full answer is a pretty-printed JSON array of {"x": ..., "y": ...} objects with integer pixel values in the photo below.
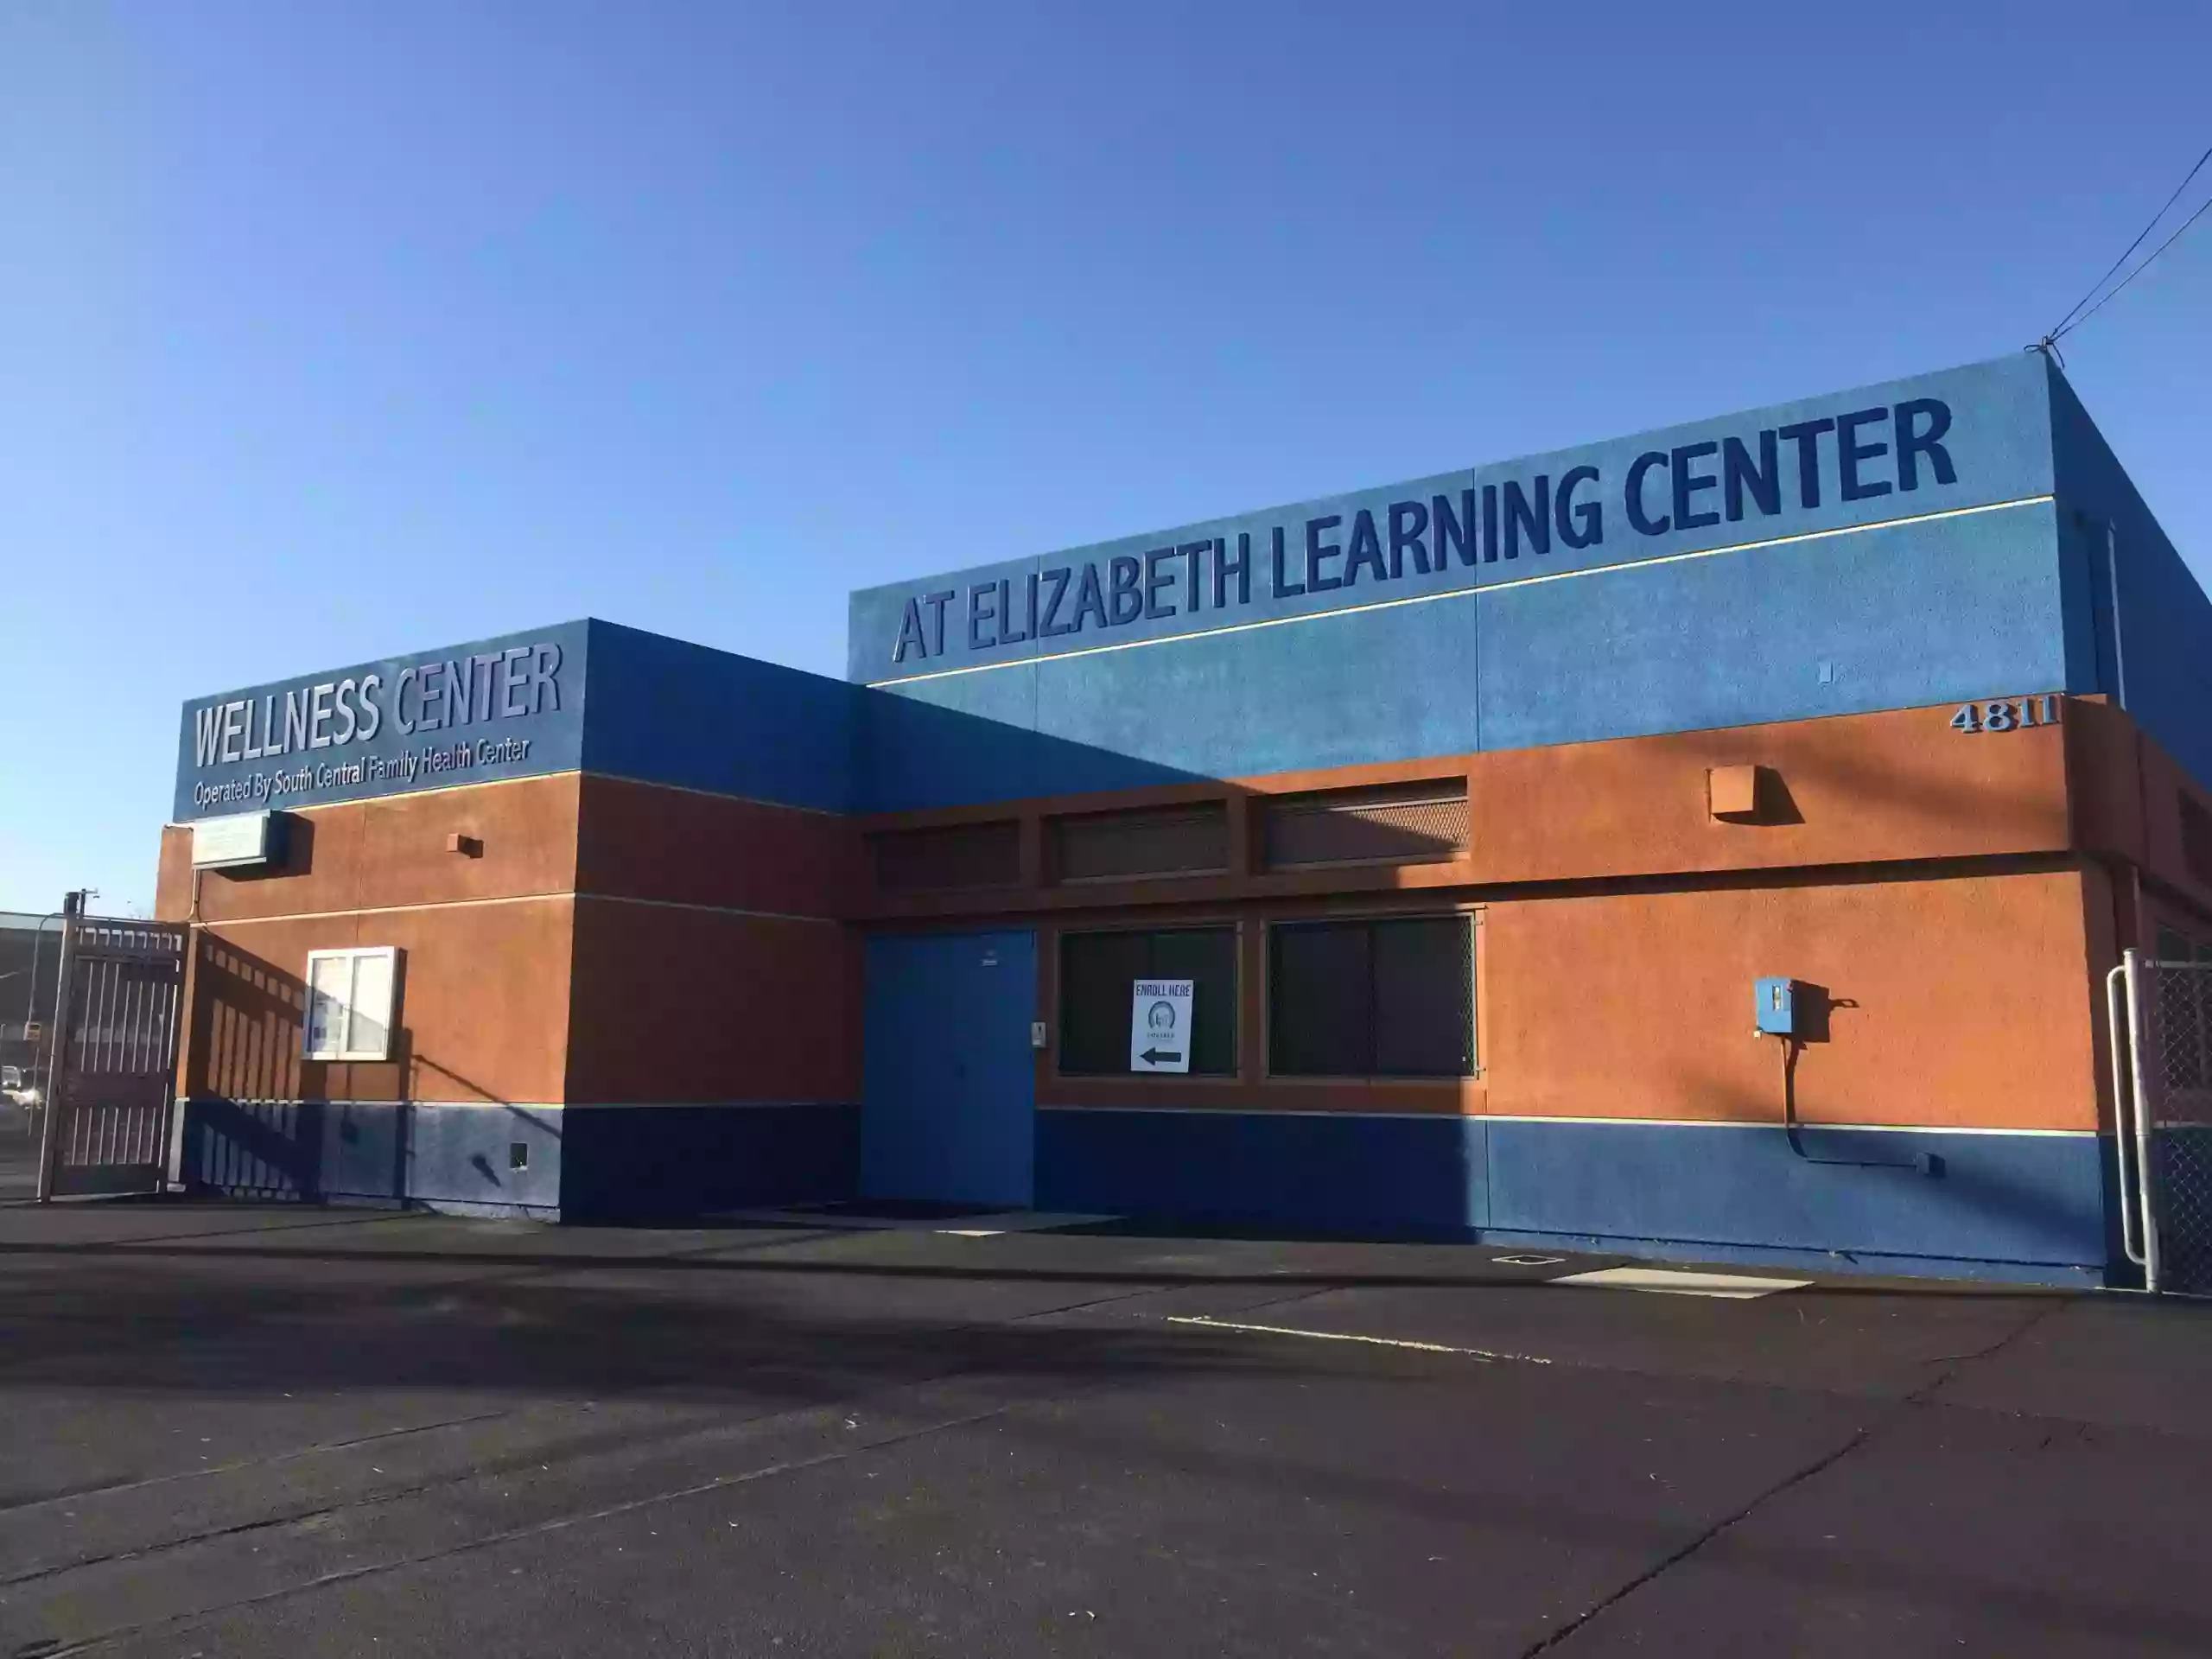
[
  {"x": 2077, "y": 317},
  {"x": 2203, "y": 208}
]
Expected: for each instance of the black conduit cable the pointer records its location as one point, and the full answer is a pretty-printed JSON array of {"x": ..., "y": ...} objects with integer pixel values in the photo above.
[{"x": 1791, "y": 1047}]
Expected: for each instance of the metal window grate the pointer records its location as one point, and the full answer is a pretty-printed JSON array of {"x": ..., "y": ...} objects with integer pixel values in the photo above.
[
  {"x": 1149, "y": 841},
  {"x": 1382, "y": 998},
  {"x": 1399, "y": 823},
  {"x": 950, "y": 859}
]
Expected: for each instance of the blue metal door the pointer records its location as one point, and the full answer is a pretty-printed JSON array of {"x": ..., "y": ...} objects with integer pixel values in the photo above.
[{"x": 949, "y": 1101}]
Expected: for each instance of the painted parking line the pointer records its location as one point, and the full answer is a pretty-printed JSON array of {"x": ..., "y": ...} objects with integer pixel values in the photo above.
[
  {"x": 1730, "y": 1286},
  {"x": 1485, "y": 1354}
]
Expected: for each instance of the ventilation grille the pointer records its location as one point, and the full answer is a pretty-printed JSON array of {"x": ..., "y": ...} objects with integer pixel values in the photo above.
[
  {"x": 950, "y": 860},
  {"x": 2196, "y": 838},
  {"x": 1399, "y": 823},
  {"x": 1151, "y": 841}
]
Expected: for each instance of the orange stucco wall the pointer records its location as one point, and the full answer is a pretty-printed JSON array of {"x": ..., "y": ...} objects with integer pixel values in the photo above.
[
  {"x": 1853, "y": 790},
  {"x": 484, "y": 999},
  {"x": 392, "y": 852},
  {"x": 483, "y": 1006},
  {"x": 1856, "y": 790},
  {"x": 676, "y": 1005},
  {"x": 645, "y": 842},
  {"x": 606, "y": 942},
  {"x": 1947, "y": 887},
  {"x": 1958, "y": 1003}
]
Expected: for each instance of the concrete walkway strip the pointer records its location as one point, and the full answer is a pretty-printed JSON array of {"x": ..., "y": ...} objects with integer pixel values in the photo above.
[
  {"x": 1343, "y": 1336},
  {"x": 1667, "y": 1281}
]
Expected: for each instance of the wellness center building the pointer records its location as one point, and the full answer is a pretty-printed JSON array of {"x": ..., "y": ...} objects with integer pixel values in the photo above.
[{"x": 1713, "y": 842}]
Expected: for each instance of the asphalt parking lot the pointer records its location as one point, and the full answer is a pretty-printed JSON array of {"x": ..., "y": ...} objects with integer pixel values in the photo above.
[
  {"x": 18, "y": 1155},
  {"x": 236, "y": 1431}
]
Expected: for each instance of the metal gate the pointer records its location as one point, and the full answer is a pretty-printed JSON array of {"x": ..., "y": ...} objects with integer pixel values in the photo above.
[
  {"x": 111, "y": 1084},
  {"x": 2161, "y": 1014}
]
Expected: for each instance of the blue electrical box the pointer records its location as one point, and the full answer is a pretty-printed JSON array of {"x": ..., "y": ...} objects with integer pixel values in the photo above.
[{"x": 1776, "y": 1005}]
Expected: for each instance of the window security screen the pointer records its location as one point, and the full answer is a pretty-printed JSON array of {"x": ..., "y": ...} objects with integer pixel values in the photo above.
[
  {"x": 1372, "y": 999},
  {"x": 1151, "y": 841},
  {"x": 350, "y": 1003},
  {"x": 1097, "y": 971},
  {"x": 1397, "y": 823}
]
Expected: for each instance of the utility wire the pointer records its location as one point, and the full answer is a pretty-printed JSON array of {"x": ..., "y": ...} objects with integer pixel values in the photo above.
[
  {"x": 2206, "y": 206},
  {"x": 2075, "y": 317}
]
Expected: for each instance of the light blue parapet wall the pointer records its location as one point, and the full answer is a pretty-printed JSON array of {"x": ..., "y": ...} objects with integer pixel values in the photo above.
[
  {"x": 1885, "y": 548},
  {"x": 511, "y": 707},
  {"x": 586, "y": 693},
  {"x": 1970, "y": 437},
  {"x": 1965, "y": 535},
  {"x": 1934, "y": 540}
]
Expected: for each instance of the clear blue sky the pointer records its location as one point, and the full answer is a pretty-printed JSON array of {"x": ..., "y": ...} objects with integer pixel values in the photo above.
[{"x": 332, "y": 330}]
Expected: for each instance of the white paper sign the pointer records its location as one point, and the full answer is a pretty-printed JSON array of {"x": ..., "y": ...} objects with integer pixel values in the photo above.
[{"x": 1160, "y": 1025}]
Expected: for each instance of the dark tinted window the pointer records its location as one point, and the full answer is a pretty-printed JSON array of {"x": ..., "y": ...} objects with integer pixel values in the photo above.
[
  {"x": 1385, "y": 998},
  {"x": 1319, "y": 1003},
  {"x": 1096, "y": 972}
]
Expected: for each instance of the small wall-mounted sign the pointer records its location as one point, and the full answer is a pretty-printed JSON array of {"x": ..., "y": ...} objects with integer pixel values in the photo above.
[
  {"x": 2007, "y": 714},
  {"x": 241, "y": 841},
  {"x": 1160, "y": 1025}
]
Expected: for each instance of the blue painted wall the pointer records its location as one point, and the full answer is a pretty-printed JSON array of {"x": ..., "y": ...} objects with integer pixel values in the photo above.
[
  {"x": 666, "y": 712},
  {"x": 1420, "y": 1176},
  {"x": 1960, "y": 607},
  {"x": 2164, "y": 654},
  {"x": 620, "y": 702},
  {"x": 449, "y": 1157},
  {"x": 369, "y": 729},
  {"x": 1995, "y": 441},
  {"x": 1972, "y": 583},
  {"x": 661, "y": 1163},
  {"x": 2020, "y": 1198},
  {"x": 584, "y": 1163},
  {"x": 1848, "y": 611},
  {"x": 2029, "y": 1206}
]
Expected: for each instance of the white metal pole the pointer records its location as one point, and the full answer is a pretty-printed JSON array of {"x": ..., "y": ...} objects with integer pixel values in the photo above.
[
  {"x": 2115, "y": 999},
  {"x": 2145, "y": 1184}
]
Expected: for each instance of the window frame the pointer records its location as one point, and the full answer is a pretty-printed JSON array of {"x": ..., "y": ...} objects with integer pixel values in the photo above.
[
  {"x": 1234, "y": 927},
  {"x": 1476, "y": 1072},
  {"x": 345, "y": 1049}
]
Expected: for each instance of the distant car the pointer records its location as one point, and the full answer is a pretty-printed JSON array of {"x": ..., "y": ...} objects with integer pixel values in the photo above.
[{"x": 15, "y": 1090}]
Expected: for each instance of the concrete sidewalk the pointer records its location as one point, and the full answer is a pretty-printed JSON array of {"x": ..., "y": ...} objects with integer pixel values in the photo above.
[{"x": 282, "y": 1431}]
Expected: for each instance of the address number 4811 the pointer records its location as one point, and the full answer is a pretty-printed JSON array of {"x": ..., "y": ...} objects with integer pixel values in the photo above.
[{"x": 2008, "y": 716}]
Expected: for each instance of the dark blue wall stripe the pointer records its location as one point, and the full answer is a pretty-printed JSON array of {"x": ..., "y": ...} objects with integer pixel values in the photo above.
[
  {"x": 2023, "y": 1200},
  {"x": 653, "y": 1163}
]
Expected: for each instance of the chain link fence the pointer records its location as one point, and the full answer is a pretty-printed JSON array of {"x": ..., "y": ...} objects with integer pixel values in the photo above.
[{"x": 2172, "y": 1069}]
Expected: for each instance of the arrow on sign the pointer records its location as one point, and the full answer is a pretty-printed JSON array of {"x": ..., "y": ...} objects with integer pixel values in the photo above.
[{"x": 1155, "y": 1057}]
